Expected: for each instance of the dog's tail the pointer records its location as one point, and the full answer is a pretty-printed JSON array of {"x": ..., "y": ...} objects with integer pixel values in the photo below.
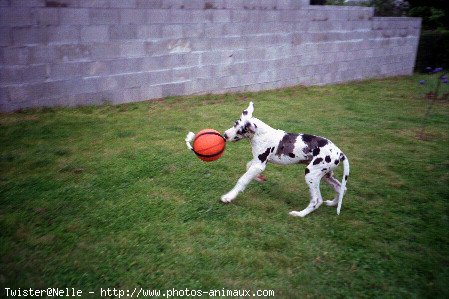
[
  {"x": 343, "y": 182},
  {"x": 189, "y": 138}
]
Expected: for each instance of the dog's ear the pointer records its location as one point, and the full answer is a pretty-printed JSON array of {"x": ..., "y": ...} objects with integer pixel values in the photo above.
[
  {"x": 250, "y": 127},
  {"x": 248, "y": 112}
]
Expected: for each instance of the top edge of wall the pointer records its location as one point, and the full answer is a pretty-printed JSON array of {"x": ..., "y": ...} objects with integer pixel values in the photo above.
[{"x": 162, "y": 4}]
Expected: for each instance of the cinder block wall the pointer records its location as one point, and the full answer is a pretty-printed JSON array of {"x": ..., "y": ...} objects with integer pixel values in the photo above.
[{"x": 78, "y": 52}]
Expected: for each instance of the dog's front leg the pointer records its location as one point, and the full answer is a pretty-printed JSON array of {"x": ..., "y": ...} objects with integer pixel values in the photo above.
[{"x": 253, "y": 171}]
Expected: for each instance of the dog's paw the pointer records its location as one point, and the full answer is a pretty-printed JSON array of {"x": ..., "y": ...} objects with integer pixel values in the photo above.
[
  {"x": 331, "y": 203},
  {"x": 261, "y": 178},
  {"x": 227, "y": 198},
  {"x": 297, "y": 214}
]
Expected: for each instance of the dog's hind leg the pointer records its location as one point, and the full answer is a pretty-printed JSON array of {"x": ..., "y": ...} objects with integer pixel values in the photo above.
[
  {"x": 313, "y": 177},
  {"x": 335, "y": 184}
]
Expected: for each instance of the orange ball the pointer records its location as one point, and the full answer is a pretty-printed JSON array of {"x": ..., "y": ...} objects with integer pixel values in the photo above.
[{"x": 209, "y": 145}]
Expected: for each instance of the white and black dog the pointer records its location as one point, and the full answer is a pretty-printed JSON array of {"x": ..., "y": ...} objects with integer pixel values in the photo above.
[{"x": 279, "y": 147}]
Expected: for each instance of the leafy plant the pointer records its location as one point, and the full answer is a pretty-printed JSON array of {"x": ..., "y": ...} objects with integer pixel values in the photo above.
[{"x": 438, "y": 77}]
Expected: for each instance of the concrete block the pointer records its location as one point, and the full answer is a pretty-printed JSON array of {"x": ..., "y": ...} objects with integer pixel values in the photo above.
[
  {"x": 125, "y": 65},
  {"x": 96, "y": 68},
  {"x": 202, "y": 16},
  {"x": 15, "y": 55},
  {"x": 10, "y": 74},
  {"x": 63, "y": 34},
  {"x": 270, "y": 16},
  {"x": 74, "y": 16},
  {"x": 132, "y": 49},
  {"x": 5, "y": 37},
  {"x": 161, "y": 16},
  {"x": 217, "y": 57},
  {"x": 135, "y": 80},
  {"x": 94, "y": 3},
  {"x": 159, "y": 77},
  {"x": 79, "y": 52},
  {"x": 133, "y": 16},
  {"x": 182, "y": 16},
  {"x": 229, "y": 43},
  {"x": 15, "y": 17},
  {"x": 108, "y": 83},
  {"x": 221, "y": 16},
  {"x": 173, "y": 89},
  {"x": 149, "y": 32},
  {"x": 200, "y": 44},
  {"x": 61, "y": 71},
  {"x": 127, "y": 96},
  {"x": 214, "y": 30},
  {"x": 152, "y": 63},
  {"x": 153, "y": 4},
  {"x": 122, "y": 32},
  {"x": 183, "y": 73},
  {"x": 193, "y": 30},
  {"x": 104, "y": 16},
  {"x": 247, "y": 16},
  {"x": 172, "y": 31},
  {"x": 35, "y": 73},
  {"x": 123, "y": 3},
  {"x": 47, "y": 16},
  {"x": 151, "y": 92},
  {"x": 194, "y": 4},
  {"x": 28, "y": 36},
  {"x": 44, "y": 54},
  {"x": 173, "y": 4},
  {"x": 94, "y": 34},
  {"x": 205, "y": 72}
]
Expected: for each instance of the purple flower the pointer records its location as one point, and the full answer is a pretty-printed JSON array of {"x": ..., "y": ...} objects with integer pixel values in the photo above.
[
  {"x": 445, "y": 81},
  {"x": 437, "y": 70},
  {"x": 443, "y": 77},
  {"x": 422, "y": 82},
  {"x": 428, "y": 69}
]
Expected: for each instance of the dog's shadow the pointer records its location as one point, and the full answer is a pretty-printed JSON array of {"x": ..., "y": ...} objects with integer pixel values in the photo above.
[{"x": 291, "y": 195}]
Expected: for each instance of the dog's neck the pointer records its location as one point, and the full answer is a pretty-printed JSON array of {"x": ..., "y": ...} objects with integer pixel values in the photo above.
[{"x": 261, "y": 127}]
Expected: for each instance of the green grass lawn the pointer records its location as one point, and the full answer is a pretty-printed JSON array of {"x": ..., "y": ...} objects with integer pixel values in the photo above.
[{"x": 109, "y": 196}]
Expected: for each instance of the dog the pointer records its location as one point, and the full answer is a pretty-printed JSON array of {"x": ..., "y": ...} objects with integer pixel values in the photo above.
[{"x": 276, "y": 146}]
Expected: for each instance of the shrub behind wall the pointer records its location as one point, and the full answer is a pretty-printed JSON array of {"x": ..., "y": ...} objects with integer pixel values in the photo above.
[{"x": 433, "y": 50}]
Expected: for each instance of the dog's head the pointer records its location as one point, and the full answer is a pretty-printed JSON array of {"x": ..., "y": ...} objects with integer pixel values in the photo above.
[{"x": 244, "y": 127}]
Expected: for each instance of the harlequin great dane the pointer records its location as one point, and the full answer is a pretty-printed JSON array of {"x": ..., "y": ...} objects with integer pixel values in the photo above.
[{"x": 279, "y": 147}]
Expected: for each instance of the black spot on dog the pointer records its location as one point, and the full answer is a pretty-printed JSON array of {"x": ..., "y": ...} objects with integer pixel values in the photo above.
[
  {"x": 272, "y": 149},
  {"x": 327, "y": 159},
  {"x": 346, "y": 178},
  {"x": 312, "y": 142},
  {"x": 316, "y": 151},
  {"x": 324, "y": 169},
  {"x": 342, "y": 157},
  {"x": 322, "y": 142},
  {"x": 245, "y": 112},
  {"x": 291, "y": 155},
  {"x": 317, "y": 161},
  {"x": 236, "y": 138},
  {"x": 255, "y": 126},
  {"x": 336, "y": 162},
  {"x": 287, "y": 144},
  {"x": 263, "y": 157},
  {"x": 305, "y": 162},
  {"x": 306, "y": 171},
  {"x": 248, "y": 127}
]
